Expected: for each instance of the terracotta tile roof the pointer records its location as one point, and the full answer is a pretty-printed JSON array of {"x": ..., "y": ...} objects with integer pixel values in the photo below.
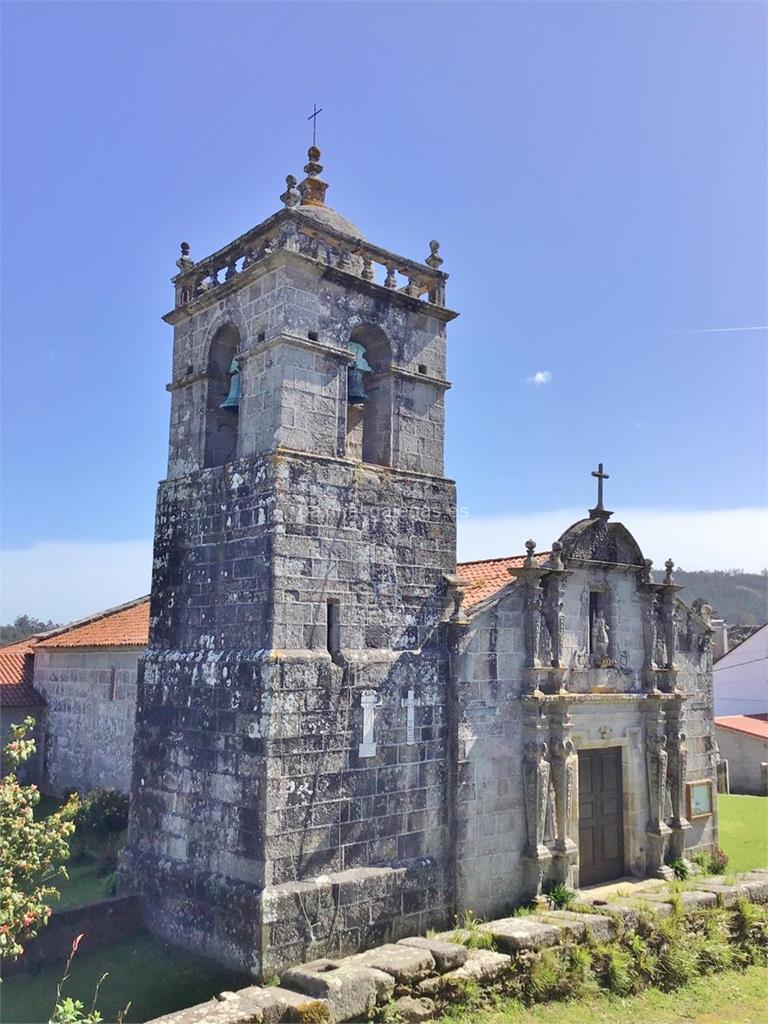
[
  {"x": 485, "y": 577},
  {"x": 16, "y": 670},
  {"x": 753, "y": 725},
  {"x": 124, "y": 626}
]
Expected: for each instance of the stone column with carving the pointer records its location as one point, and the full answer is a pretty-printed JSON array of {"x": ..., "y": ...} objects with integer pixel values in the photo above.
[
  {"x": 564, "y": 772},
  {"x": 656, "y": 760},
  {"x": 668, "y": 597},
  {"x": 529, "y": 575},
  {"x": 554, "y": 614},
  {"x": 536, "y": 780},
  {"x": 677, "y": 764}
]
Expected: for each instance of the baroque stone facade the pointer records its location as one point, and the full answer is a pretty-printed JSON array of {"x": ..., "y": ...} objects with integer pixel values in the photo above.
[{"x": 332, "y": 748}]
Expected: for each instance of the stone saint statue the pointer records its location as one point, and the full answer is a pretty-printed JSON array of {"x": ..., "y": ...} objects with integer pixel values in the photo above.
[{"x": 600, "y": 638}]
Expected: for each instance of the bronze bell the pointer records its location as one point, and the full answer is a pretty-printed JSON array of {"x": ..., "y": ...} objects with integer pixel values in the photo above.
[
  {"x": 232, "y": 401},
  {"x": 356, "y": 395},
  {"x": 356, "y": 387}
]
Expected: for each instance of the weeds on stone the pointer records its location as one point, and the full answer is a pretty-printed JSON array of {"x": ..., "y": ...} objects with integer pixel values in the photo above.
[
  {"x": 558, "y": 895},
  {"x": 468, "y": 933}
]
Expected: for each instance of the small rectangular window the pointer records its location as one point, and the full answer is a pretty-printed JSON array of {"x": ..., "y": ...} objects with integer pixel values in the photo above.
[
  {"x": 333, "y": 628},
  {"x": 112, "y": 684}
]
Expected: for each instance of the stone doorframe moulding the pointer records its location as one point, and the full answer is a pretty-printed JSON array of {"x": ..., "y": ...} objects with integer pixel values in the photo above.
[{"x": 634, "y": 804}]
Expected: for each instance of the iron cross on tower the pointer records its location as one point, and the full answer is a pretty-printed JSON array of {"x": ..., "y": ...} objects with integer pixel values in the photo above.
[
  {"x": 600, "y": 477},
  {"x": 313, "y": 118}
]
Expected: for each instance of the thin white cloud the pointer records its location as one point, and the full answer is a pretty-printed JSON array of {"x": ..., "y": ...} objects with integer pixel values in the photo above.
[
  {"x": 540, "y": 377},
  {"x": 66, "y": 580},
  {"x": 709, "y": 539},
  {"x": 719, "y": 330}
]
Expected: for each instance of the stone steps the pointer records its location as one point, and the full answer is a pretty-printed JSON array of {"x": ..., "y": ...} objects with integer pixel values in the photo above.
[{"x": 413, "y": 973}]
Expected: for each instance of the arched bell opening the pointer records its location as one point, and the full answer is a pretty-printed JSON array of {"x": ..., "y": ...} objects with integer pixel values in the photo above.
[
  {"x": 222, "y": 405},
  {"x": 369, "y": 397}
]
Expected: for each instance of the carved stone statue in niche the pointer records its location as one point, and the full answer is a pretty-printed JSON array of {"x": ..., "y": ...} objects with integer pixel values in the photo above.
[
  {"x": 676, "y": 770},
  {"x": 600, "y": 638},
  {"x": 656, "y": 760},
  {"x": 536, "y": 791}
]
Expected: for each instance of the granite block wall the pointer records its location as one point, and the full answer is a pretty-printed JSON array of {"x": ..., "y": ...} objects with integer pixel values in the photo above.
[{"x": 91, "y": 697}]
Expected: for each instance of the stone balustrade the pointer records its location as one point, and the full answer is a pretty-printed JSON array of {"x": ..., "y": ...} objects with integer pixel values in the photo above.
[{"x": 291, "y": 231}]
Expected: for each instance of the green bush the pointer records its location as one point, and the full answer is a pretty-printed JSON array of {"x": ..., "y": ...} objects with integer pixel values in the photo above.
[
  {"x": 713, "y": 863},
  {"x": 102, "y": 811}
]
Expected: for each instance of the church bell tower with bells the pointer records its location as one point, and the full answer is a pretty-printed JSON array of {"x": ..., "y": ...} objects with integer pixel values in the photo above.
[{"x": 292, "y": 709}]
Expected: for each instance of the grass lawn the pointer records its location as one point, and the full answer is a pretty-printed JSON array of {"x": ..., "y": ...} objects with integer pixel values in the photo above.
[
  {"x": 155, "y": 978},
  {"x": 733, "y": 997},
  {"x": 744, "y": 830}
]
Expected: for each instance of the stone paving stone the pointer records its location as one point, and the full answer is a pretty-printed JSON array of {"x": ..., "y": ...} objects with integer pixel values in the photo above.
[
  {"x": 406, "y": 964},
  {"x": 576, "y": 925},
  {"x": 521, "y": 933},
  {"x": 726, "y": 895},
  {"x": 351, "y": 992},
  {"x": 447, "y": 955}
]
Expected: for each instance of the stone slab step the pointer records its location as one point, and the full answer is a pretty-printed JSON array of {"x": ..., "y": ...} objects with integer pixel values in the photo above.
[
  {"x": 513, "y": 933},
  {"x": 406, "y": 964},
  {"x": 576, "y": 925},
  {"x": 351, "y": 991},
  {"x": 447, "y": 955}
]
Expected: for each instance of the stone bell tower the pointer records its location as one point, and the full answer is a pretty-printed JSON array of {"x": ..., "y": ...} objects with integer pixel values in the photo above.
[{"x": 290, "y": 765}]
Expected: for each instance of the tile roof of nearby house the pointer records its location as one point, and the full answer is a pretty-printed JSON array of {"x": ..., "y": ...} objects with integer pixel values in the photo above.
[
  {"x": 486, "y": 577},
  {"x": 124, "y": 626},
  {"x": 16, "y": 667},
  {"x": 753, "y": 725}
]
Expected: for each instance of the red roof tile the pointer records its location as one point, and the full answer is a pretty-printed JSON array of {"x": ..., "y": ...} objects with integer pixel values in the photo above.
[
  {"x": 486, "y": 577},
  {"x": 125, "y": 626},
  {"x": 753, "y": 725},
  {"x": 16, "y": 669}
]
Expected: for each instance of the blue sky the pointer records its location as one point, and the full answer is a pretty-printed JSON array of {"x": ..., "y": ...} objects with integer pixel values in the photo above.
[{"x": 596, "y": 174}]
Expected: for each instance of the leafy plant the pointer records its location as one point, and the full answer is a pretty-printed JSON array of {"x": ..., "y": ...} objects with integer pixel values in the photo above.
[
  {"x": 558, "y": 895},
  {"x": 714, "y": 863},
  {"x": 32, "y": 853},
  {"x": 680, "y": 868}
]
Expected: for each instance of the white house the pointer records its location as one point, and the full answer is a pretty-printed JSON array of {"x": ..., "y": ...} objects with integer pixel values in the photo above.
[{"x": 741, "y": 677}]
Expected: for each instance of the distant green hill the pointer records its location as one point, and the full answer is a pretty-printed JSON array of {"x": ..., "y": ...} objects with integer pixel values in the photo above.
[{"x": 741, "y": 598}]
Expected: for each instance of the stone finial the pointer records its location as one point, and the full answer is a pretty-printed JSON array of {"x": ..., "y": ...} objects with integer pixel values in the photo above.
[
  {"x": 648, "y": 563},
  {"x": 185, "y": 261},
  {"x": 557, "y": 558},
  {"x": 433, "y": 260},
  {"x": 313, "y": 166},
  {"x": 669, "y": 565},
  {"x": 530, "y": 547},
  {"x": 313, "y": 189},
  {"x": 291, "y": 197}
]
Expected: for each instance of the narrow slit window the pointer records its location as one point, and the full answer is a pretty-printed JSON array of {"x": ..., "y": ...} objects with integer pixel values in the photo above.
[{"x": 333, "y": 628}]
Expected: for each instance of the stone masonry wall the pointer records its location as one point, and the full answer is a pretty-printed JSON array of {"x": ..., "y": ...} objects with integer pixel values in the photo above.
[
  {"x": 248, "y": 774},
  {"x": 606, "y": 708},
  {"x": 91, "y": 698}
]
